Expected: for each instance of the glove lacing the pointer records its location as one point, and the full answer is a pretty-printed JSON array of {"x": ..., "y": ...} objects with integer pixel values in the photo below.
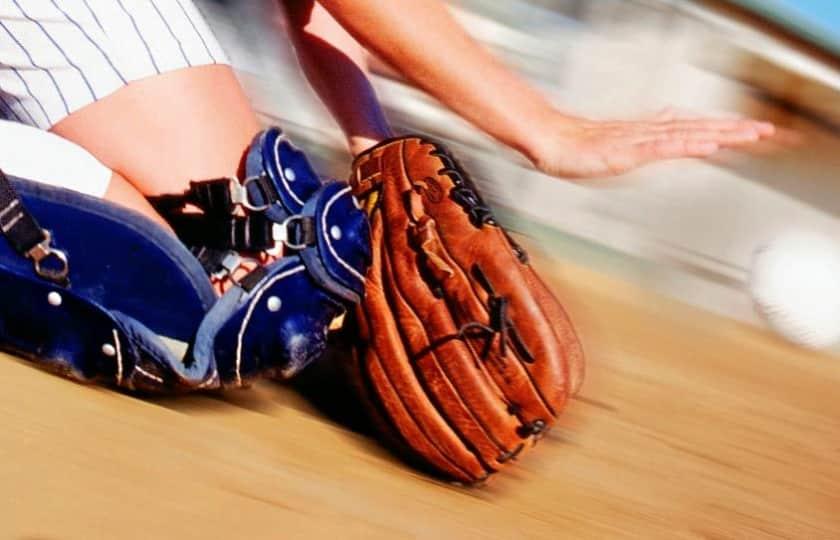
[{"x": 465, "y": 195}]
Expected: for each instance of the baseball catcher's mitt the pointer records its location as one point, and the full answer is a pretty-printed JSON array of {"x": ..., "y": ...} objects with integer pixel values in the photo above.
[{"x": 468, "y": 358}]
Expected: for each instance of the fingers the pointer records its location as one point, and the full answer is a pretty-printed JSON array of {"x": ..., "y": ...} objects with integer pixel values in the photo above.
[
  {"x": 652, "y": 151},
  {"x": 723, "y": 138},
  {"x": 609, "y": 148},
  {"x": 671, "y": 118},
  {"x": 675, "y": 149},
  {"x": 693, "y": 138},
  {"x": 714, "y": 124}
]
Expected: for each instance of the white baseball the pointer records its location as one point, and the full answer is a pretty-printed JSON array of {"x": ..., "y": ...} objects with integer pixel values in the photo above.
[{"x": 795, "y": 284}]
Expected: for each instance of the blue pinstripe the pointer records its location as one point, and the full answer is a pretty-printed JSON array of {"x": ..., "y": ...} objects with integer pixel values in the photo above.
[
  {"x": 10, "y": 110},
  {"x": 93, "y": 14},
  {"x": 195, "y": 28},
  {"x": 77, "y": 25},
  {"x": 136, "y": 29},
  {"x": 36, "y": 100},
  {"x": 23, "y": 107},
  {"x": 23, "y": 80},
  {"x": 171, "y": 33},
  {"x": 63, "y": 53},
  {"x": 33, "y": 102}
]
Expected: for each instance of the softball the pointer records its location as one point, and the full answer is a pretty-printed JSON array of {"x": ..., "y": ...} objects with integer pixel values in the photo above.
[{"x": 795, "y": 286}]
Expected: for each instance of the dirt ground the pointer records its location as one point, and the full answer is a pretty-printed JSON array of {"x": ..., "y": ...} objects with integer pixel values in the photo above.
[{"x": 688, "y": 426}]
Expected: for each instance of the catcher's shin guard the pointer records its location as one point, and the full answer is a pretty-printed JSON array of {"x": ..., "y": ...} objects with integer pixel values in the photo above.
[
  {"x": 99, "y": 293},
  {"x": 275, "y": 320}
]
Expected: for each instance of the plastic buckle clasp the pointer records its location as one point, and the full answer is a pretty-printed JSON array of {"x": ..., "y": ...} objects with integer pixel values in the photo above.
[
  {"x": 230, "y": 263},
  {"x": 281, "y": 232},
  {"x": 239, "y": 194},
  {"x": 44, "y": 253}
]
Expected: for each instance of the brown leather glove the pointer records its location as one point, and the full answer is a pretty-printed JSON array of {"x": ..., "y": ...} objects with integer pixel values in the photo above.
[{"x": 468, "y": 358}]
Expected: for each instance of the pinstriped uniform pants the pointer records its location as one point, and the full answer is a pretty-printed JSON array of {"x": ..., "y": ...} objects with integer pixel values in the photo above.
[{"x": 56, "y": 56}]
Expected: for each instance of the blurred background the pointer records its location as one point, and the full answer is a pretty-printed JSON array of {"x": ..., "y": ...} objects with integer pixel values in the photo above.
[
  {"x": 689, "y": 425},
  {"x": 686, "y": 229}
]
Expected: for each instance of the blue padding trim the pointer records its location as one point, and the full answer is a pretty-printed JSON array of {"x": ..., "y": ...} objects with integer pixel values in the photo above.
[
  {"x": 286, "y": 167},
  {"x": 342, "y": 253},
  {"x": 119, "y": 260},
  {"x": 275, "y": 329}
]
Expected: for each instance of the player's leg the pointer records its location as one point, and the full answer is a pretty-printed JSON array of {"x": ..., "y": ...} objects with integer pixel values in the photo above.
[
  {"x": 187, "y": 120},
  {"x": 143, "y": 86},
  {"x": 121, "y": 192},
  {"x": 163, "y": 131},
  {"x": 32, "y": 154},
  {"x": 186, "y": 125}
]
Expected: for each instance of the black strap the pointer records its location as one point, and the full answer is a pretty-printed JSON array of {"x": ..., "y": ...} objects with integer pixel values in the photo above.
[
  {"x": 301, "y": 232},
  {"x": 211, "y": 196},
  {"x": 18, "y": 226},
  {"x": 214, "y": 196},
  {"x": 261, "y": 190},
  {"x": 218, "y": 230},
  {"x": 214, "y": 261},
  {"x": 250, "y": 233},
  {"x": 239, "y": 233},
  {"x": 253, "y": 278},
  {"x": 27, "y": 238}
]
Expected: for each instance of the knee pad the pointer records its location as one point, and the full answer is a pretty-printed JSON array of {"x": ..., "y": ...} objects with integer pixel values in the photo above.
[{"x": 99, "y": 293}]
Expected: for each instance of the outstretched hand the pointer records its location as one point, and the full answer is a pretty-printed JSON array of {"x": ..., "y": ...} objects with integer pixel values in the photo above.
[{"x": 576, "y": 148}]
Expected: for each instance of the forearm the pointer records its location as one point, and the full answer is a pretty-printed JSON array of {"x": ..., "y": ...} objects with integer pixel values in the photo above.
[
  {"x": 422, "y": 40},
  {"x": 335, "y": 65}
]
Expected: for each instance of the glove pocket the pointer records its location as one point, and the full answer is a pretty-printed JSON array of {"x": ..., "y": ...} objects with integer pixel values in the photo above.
[{"x": 481, "y": 321}]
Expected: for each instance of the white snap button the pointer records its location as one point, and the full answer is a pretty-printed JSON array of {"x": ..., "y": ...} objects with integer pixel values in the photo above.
[
  {"x": 289, "y": 173},
  {"x": 109, "y": 350},
  {"x": 335, "y": 232},
  {"x": 54, "y": 299},
  {"x": 273, "y": 304}
]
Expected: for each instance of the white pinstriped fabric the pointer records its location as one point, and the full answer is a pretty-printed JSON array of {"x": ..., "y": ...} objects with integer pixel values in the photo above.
[{"x": 56, "y": 56}]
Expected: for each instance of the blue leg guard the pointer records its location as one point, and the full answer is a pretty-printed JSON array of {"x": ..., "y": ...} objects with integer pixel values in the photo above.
[
  {"x": 128, "y": 282},
  {"x": 275, "y": 321},
  {"x": 137, "y": 309}
]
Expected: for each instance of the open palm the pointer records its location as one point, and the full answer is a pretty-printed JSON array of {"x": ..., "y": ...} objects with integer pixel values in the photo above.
[{"x": 586, "y": 149}]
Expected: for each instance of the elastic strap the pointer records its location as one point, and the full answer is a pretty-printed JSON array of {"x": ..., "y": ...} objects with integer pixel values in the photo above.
[
  {"x": 210, "y": 196},
  {"x": 238, "y": 233},
  {"x": 251, "y": 233}
]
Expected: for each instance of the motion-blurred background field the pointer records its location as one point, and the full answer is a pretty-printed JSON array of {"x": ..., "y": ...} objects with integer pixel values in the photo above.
[{"x": 686, "y": 229}]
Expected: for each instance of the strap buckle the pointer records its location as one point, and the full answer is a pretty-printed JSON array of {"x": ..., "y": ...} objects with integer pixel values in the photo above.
[
  {"x": 43, "y": 252},
  {"x": 231, "y": 261},
  {"x": 239, "y": 194},
  {"x": 282, "y": 232}
]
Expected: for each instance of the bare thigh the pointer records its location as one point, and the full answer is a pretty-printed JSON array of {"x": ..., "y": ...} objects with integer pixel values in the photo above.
[
  {"x": 161, "y": 132},
  {"x": 120, "y": 191}
]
